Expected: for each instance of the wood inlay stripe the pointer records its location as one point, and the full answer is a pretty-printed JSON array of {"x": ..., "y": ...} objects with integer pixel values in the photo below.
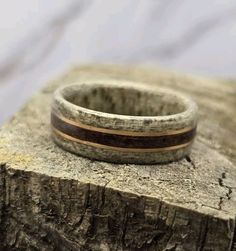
[
  {"x": 118, "y": 141},
  {"x": 121, "y": 149},
  {"x": 121, "y": 132}
]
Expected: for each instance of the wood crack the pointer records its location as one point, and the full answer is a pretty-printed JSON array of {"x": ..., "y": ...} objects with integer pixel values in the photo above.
[
  {"x": 188, "y": 158},
  {"x": 86, "y": 206},
  {"x": 203, "y": 233},
  {"x": 125, "y": 223},
  {"x": 228, "y": 194},
  {"x": 103, "y": 196}
]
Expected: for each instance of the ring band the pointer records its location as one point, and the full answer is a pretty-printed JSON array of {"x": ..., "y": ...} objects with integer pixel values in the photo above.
[
  {"x": 124, "y": 138},
  {"x": 141, "y": 142}
]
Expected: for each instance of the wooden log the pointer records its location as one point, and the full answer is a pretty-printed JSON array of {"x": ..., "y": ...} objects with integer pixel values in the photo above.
[{"x": 53, "y": 200}]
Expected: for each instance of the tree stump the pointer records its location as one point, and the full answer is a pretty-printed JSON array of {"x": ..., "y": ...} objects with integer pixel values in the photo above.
[{"x": 53, "y": 200}]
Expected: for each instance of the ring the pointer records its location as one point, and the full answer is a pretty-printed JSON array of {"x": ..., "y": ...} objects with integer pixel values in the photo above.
[{"x": 123, "y": 122}]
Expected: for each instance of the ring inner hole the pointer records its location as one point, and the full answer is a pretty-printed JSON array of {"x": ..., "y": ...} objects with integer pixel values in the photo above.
[{"x": 124, "y": 101}]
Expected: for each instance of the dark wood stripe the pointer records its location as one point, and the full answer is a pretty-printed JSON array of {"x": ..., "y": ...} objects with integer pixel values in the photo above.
[{"x": 124, "y": 141}]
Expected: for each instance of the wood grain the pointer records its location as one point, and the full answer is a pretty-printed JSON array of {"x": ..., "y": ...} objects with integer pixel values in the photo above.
[{"x": 53, "y": 200}]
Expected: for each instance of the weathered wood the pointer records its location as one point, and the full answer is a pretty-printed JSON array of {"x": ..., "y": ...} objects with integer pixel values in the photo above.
[{"x": 54, "y": 200}]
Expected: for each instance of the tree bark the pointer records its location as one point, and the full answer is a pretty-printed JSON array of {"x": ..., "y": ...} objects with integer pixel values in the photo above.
[{"x": 53, "y": 200}]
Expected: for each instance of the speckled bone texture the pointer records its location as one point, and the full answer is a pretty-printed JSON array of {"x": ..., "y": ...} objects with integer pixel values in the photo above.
[{"x": 125, "y": 109}]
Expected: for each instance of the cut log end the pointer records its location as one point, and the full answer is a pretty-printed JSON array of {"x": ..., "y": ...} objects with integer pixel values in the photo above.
[{"x": 53, "y": 200}]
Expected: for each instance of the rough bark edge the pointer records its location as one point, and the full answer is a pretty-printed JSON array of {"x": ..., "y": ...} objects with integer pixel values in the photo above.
[
  {"x": 145, "y": 223},
  {"x": 233, "y": 247}
]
